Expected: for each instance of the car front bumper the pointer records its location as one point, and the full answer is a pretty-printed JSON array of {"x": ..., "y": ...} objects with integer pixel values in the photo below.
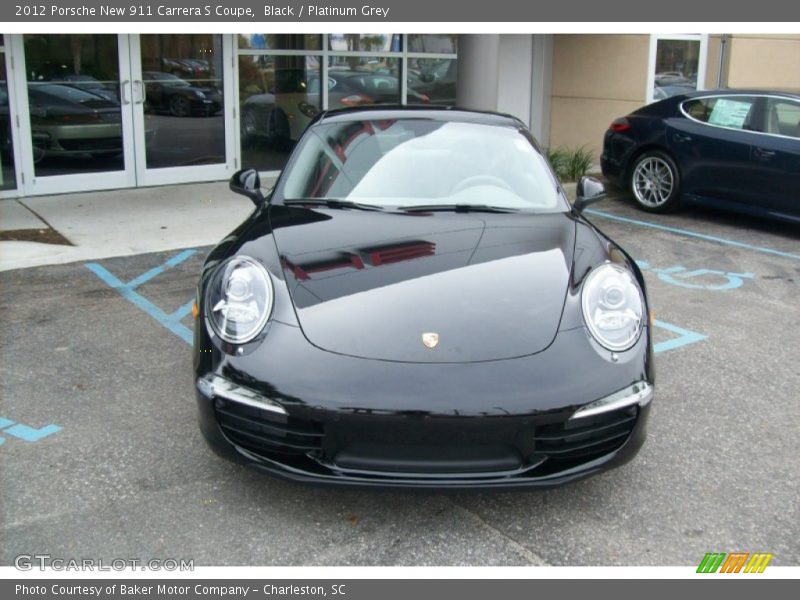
[{"x": 356, "y": 422}]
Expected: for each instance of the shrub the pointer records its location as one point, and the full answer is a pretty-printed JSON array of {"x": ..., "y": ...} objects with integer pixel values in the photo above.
[{"x": 570, "y": 165}]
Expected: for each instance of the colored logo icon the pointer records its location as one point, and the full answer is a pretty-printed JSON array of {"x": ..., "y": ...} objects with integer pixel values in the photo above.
[{"x": 734, "y": 562}]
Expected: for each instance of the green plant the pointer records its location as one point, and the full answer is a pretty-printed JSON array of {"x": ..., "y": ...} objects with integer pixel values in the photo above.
[{"x": 570, "y": 164}]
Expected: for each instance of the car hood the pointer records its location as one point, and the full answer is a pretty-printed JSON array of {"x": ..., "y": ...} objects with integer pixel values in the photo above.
[{"x": 371, "y": 284}]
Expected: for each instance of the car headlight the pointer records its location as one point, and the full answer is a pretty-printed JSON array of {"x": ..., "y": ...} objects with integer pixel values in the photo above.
[
  {"x": 199, "y": 94},
  {"x": 308, "y": 110},
  {"x": 613, "y": 307},
  {"x": 239, "y": 299}
]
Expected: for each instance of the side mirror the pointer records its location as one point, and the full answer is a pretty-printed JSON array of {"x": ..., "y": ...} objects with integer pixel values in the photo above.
[
  {"x": 247, "y": 183},
  {"x": 588, "y": 191}
]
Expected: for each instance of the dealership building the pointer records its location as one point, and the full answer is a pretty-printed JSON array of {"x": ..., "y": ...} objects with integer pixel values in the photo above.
[{"x": 103, "y": 111}]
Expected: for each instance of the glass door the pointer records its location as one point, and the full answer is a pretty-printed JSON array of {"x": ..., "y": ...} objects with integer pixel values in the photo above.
[
  {"x": 76, "y": 120},
  {"x": 102, "y": 111},
  {"x": 183, "y": 112}
]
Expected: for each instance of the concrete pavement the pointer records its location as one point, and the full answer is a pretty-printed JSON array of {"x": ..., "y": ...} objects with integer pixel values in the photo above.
[{"x": 121, "y": 222}]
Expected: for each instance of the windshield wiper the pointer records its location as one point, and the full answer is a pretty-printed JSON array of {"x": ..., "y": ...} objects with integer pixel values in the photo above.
[
  {"x": 331, "y": 203},
  {"x": 463, "y": 208}
]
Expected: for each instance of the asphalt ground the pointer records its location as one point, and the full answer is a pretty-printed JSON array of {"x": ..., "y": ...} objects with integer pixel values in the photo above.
[{"x": 124, "y": 472}]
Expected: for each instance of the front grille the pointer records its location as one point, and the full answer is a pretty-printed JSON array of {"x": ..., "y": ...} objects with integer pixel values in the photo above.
[
  {"x": 581, "y": 440},
  {"x": 263, "y": 432}
]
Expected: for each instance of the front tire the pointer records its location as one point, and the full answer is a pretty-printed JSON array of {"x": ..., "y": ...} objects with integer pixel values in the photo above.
[{"x": 655, "y": 182}]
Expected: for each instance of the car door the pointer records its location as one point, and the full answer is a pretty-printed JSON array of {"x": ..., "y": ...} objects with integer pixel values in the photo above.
[
  {"x": 711, "y": 143},
  {"x": 775, "y": 155}
]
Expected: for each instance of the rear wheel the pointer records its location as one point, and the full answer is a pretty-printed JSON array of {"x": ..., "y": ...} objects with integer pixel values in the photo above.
[
  {"x": 179, "y": 106},
  {"x": 655, "y": 182}
]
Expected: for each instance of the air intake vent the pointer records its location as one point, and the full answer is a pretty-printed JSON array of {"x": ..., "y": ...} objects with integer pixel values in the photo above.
[
  {"x": 263, "y": 432},
  {"x": 583, "y": 439}
]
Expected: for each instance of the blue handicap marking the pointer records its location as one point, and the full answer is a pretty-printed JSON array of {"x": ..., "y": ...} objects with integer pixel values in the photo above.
[
  {"x": 709, "y": 279},
  {"x": 29, "y": 434},
  {"x": 24, "y": 432},
  {"x": 678, "y": 276},
  {"x": 685, "y": 337},
  {"x": 172, "y": 321}
]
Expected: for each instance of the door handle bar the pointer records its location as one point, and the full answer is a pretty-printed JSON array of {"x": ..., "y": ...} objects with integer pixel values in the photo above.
[{"x": 122, "y": 91}]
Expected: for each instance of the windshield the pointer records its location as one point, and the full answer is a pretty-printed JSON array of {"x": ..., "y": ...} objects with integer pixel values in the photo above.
[
  {"x": 418, "y": 162},
  {"x": 66, "y": 92}
]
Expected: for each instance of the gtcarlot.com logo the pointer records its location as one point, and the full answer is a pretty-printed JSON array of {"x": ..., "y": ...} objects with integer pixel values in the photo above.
[
  {"x": 735, "y": 562},
  {"x": 28, "y": 562}
]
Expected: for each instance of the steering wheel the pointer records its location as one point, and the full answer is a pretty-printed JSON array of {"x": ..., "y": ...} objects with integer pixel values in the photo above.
[{"x": 476, "y": 180}]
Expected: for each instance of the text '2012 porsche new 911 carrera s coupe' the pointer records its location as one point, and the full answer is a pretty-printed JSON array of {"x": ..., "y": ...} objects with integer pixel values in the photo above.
[{"x": 416, "y": 304}]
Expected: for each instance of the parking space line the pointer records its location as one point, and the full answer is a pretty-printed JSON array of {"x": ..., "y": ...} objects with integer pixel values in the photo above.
[
  {"x": 30, "y": 434},
  {"x": 172, "y": 262},
  {"x": 25, "y": 432},
  {"x": 171, "y": 321},
  {"x": 183, "y": 310},
  {"x": 694, "y": 234},
  {"x": 685, "y": 337}
]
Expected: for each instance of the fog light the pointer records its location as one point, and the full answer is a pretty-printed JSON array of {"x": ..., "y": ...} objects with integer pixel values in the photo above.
[
  {"x": 639, "y": 393},
  {"x": 215, "y": 386}
]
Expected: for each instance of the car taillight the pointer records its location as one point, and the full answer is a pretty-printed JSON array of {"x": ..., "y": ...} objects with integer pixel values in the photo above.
[
  {"x": 308, "y": 110},
  {"x": 80, "y": 119},
  {"x": 356, "y": 100},
  {"x": 620, "y": 125}
]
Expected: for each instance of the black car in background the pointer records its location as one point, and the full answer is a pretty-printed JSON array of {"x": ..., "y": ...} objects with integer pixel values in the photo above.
[
  {"x": 732, "y": 149},
  {"x": 416, "y": 304},
  {"x": 168, "y": 93}
]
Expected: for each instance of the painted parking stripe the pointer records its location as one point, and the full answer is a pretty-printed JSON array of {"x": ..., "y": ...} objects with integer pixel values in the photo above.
[
  {"x": 172, "y": 321},
  {"x": 172, "y": 262},
  {"x": 24, "y": 432},
  {"x": 694, "y": 234},
  {"x": 183, "y": 310},
  {"x": 29, "y": 434},
  {"x": 685, "y": 337}
]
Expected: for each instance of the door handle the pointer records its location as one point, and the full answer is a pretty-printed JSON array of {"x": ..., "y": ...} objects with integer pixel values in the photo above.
[
  {"x": 763, "y": 153},
  {"x": 680, "y": 138},
  {"x": 123, "y": 87},
  {"x": 138, "y": 85}
]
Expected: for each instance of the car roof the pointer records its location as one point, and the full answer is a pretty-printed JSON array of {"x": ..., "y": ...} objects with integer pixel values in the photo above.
[
  {"x": 787, "y": 93},
  {"x": 434, "y": 113}
]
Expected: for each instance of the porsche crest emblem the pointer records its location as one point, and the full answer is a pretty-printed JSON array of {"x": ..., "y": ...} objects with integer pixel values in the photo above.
[{"x": 430, "y": 340}]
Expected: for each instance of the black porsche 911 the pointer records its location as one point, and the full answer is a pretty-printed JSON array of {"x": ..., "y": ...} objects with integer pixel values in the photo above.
[{"x": 417, "y": 304}]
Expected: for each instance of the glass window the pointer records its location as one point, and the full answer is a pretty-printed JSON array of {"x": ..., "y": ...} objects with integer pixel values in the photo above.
[
  {"x": 432, "y": 80},
  {"x": 734, "y": 112},
  {"x": 440, "y": 43},
  {"x": 74, "y": 104},
  {"x": 7, "y": 173},
  {"x": 783, "y": 117},
  {"x": 676, "y": 66},
  {"x": 364, "y": 42},
  {"x": 182, "y": 78},
  {"x": 278, "y": 97},
  {"x": 284, "y": 41},
  {"x": 414, "y": 162},
  {"x": 358, "y": 81}
]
